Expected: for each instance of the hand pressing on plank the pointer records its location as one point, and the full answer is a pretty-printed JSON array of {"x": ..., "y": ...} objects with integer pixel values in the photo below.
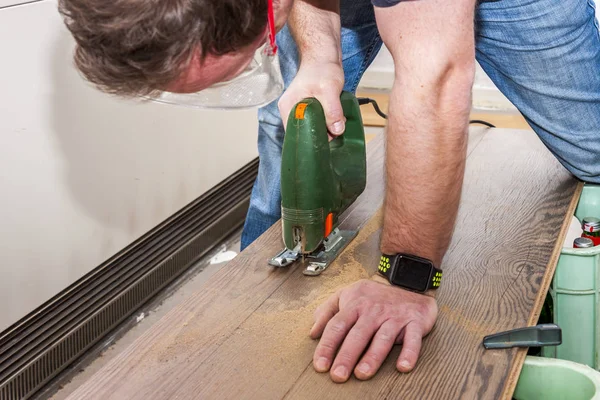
[{"x": 372, "y": 314}]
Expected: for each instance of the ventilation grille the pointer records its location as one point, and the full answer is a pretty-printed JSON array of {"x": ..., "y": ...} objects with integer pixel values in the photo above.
[{"x": 38, "y": 347}]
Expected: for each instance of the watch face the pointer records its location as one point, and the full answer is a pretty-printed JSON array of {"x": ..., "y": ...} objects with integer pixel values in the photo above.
[{"x": 412, "y": 273}]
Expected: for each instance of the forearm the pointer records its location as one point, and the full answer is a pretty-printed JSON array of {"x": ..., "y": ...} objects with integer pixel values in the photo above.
[
  {"x": 427, "y": 130},
  {"x": 316, "y": 28},
  {"x": 425, "y": 161}
]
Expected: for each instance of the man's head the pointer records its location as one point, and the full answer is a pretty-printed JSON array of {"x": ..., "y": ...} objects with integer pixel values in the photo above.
[{"x": 139, "y": 47}]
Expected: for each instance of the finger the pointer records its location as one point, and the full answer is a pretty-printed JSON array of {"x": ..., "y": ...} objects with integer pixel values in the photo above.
[
  {"x": 334, "y": 114},
  {"x": 336, "y": 330},
  {"x": 323, "y": 314},
  {"x": 411, "y": 347},
  {"x": 380, "y": 347},
  {"x": 354, "y": 345}
]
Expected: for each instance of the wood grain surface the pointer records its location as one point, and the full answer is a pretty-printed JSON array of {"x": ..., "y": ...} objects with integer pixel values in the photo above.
[{"x": 245, "y": 335}]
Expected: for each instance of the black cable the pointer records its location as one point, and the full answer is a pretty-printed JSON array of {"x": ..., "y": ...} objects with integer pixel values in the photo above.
[
  {"x": 478, "y": 121},
  {"x": 366, "y": 100}
]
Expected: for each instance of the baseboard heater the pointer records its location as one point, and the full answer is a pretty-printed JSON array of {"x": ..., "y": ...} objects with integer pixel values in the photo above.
[{"x": 37, "y": 348}]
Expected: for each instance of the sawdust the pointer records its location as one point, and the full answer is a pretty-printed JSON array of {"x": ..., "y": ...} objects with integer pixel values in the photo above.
[
  {"x": 279, "y": 333},
  {"x": 289, "y": 328},
  {"x": 347, "y": 269},
  {"x": 181, "y": 339},
  {"x": 281, "y": 326},
  {"x": 457, "y": 318},
  {"x": 372, "y": 226},
  {"x": 178, "y": 347},
  {"x": 286, "y": 326}
]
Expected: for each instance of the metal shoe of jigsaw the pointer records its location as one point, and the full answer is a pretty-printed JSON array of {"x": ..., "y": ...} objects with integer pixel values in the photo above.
[{"x": 319, "y": 181}]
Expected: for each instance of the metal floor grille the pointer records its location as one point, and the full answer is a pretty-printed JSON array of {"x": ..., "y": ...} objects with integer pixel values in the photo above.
[{"x": 42, "y": 344}]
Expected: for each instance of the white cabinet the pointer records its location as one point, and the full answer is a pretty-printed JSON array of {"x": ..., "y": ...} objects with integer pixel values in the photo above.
[{"x": 83, "y": 174}]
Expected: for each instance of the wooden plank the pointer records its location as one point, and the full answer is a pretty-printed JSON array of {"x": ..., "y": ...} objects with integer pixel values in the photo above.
[
  {"x": 246, "y": 334},
  {"x": 515, "y": 370},
  {"x": 191, "y": 332},
  {"x": 508, "y": 234},
  {"x": 476, "y": 134}
]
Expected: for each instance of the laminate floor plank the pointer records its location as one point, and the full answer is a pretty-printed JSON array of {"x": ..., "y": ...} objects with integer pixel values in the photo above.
[
  {"x": 156, "y": 363},
  {"x": 245, "y": 336},
  {"x": 514, "y": 203}
]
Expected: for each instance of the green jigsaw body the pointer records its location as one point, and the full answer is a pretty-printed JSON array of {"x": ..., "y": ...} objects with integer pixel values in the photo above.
[{"x": 319, "y": 179}]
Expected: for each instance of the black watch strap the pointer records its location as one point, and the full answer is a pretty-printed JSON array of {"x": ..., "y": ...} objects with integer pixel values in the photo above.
[{"x": 410, "y": 272}]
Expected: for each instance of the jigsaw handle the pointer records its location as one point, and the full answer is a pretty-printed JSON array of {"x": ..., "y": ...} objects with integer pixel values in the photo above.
[
  {"x": 354, "y": 125},
  {"x": 319, "y": 178},
  {"x": 348, "y": 152}
]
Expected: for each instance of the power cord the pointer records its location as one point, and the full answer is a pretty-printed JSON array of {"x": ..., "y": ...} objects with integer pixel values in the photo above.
[
  {"x": 366, "y": 100},
  {"x": 479, "y": 121}
]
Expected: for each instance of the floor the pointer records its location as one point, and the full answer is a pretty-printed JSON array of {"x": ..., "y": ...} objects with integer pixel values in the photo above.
[{"x": 200, "y": 273}]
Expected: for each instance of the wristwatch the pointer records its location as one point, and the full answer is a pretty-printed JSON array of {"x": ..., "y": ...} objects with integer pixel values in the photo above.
[{"x": 410, "y": 272}]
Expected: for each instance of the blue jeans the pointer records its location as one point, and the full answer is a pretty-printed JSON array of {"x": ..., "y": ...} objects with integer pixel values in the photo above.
[{"x": 544, "y": 55}]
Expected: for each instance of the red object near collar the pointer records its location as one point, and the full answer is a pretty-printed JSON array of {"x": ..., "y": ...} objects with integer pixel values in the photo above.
[{"x": 271, "y": 20}]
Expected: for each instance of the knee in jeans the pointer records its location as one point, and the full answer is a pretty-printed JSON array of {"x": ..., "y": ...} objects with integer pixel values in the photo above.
[
  {"x": 590, "y": 175},
  {"x": 586, "y": 168}
]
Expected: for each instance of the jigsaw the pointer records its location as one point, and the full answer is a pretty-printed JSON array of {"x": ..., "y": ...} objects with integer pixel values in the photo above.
[{"x": 320, "y": 179}]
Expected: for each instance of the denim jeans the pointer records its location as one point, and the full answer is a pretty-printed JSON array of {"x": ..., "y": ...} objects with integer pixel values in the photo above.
[{"x": 544, "y": 55}]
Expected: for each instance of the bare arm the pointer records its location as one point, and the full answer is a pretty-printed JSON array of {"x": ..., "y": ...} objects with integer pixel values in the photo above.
[
  {"x": 432, "y": 43},
  {"x": 433, "y": 49},
  {"x": 316, "y": 28}
]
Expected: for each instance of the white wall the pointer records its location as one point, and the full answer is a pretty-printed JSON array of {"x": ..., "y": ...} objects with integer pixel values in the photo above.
[
  {"x": 10, "y": 3},
  {"x": 81, "y": 174}
]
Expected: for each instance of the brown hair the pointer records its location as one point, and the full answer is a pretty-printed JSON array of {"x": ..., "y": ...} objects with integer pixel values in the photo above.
[{"x": 134, "y": 47}]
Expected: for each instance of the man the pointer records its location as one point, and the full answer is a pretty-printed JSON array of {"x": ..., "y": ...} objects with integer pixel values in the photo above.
[{"x": 543, "y": 54}]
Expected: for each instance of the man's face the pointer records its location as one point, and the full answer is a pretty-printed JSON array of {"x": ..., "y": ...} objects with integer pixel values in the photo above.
[{"x": 201, "y": 74}]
